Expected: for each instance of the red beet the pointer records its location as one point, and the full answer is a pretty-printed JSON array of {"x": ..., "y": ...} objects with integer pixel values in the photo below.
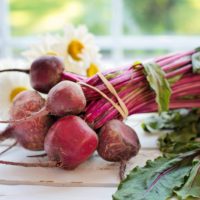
[
  {"x": 70, "y": 141},
  {"x": 118, "y": 143},
  {"x": 65, "y": 98},
  {"x": 46, "y": 72},
  {"x": 31, "y": 132}
]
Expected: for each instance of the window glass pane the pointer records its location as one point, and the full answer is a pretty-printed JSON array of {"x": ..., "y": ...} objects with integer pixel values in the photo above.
[
  {"x": 30, "y": 17},
  {"x": 142, "y": 55},
  {"x": 162, "y": 17}
]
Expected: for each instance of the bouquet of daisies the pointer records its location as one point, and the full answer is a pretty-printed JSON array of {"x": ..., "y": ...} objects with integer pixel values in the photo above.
[{"x": 75, "y": 46}]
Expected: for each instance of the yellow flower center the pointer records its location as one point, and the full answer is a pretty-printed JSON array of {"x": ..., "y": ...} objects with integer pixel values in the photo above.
[
  {"x": 16, "y": 91},
  {"x": 51, "y": 53},
  {"x": 74, "y": 49},
  {"x": 92, "y": 69}
]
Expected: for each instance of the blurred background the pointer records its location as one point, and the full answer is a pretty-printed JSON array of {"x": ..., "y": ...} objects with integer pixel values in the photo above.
[{"x": 125, "y": 29}]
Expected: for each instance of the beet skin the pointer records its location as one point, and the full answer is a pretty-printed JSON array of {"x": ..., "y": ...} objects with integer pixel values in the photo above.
[
  {"x": 46, "y": 72},
  {"x": 64, "y": 98},
  {"x": 70, "y": 141},
  {"x": 117, "y": 141},
  {"x": 29, "y": 133}
]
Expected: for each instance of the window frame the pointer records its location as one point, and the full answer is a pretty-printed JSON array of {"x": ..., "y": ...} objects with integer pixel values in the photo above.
[{"x": 117, "y": 41}]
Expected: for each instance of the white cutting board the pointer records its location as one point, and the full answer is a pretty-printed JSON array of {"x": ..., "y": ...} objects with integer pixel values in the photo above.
[{"x": 95, "y": 179}]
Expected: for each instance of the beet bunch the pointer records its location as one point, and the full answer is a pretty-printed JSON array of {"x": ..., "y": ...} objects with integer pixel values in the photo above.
[
  {"x": 57, "y": 125},
  {"x": 81, "y": 115}
]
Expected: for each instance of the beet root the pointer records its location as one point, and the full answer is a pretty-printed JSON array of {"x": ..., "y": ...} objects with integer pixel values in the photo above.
[
  {"x": 29, "y": 133},
  {"x": 63, "y": 99},
  {"x": 118, "y": 143},
  {"x": 45, "y": 73},
  {"x": 66, "y": 97},
  {"x": 70, "y": 141}
]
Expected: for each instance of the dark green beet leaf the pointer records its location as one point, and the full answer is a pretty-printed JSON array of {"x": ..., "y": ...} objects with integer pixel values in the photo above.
[
  {"x": 192, "y": 186},
  {"x": 156, "y": 180}
]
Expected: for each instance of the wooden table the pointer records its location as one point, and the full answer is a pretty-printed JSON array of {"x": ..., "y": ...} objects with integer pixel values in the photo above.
[{"x": 95, "y": 179}]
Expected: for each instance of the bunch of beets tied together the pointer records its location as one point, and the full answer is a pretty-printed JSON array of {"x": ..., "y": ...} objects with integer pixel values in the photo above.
[
  {"x": 57, "y": 124},
  {"x": 83, "y": 114}
]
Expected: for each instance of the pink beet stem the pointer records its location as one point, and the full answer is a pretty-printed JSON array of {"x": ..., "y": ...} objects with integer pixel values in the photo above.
[{"x": 99, "y": 111}]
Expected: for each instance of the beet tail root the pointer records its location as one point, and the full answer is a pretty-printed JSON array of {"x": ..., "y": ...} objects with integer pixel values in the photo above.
[
  {"x": 40, "y": 113},
  {"x": 23, "y": 164},
  {"x": 122, "y": 169},
  {"x": 8, "y": 148},
  {"x": 38, "y": 156},
  {"x": 26, "y": 71}
]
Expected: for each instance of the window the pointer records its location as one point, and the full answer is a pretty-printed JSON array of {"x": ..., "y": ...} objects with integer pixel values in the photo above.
[{"x": 125, "y": 29}]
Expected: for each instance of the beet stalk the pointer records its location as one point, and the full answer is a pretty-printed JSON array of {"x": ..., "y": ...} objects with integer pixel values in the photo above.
[
  {"x": 178, "y": 70},
  {"x": 126, "y": 81}
]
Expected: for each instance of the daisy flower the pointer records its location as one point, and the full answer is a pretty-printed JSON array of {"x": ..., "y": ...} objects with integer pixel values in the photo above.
[
  {"x": 76, "y": 47},
  {"x": 11, "y": 84},
  {"x": 94, "y": 65},
  {"x": 44, "y": 46}
]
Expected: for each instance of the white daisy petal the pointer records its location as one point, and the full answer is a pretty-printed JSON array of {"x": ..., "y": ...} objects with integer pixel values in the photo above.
[
  {"x": 9, "y": 63},
  {"x": 74, "y": 46},
  {"x": 44, "y": 46}
]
